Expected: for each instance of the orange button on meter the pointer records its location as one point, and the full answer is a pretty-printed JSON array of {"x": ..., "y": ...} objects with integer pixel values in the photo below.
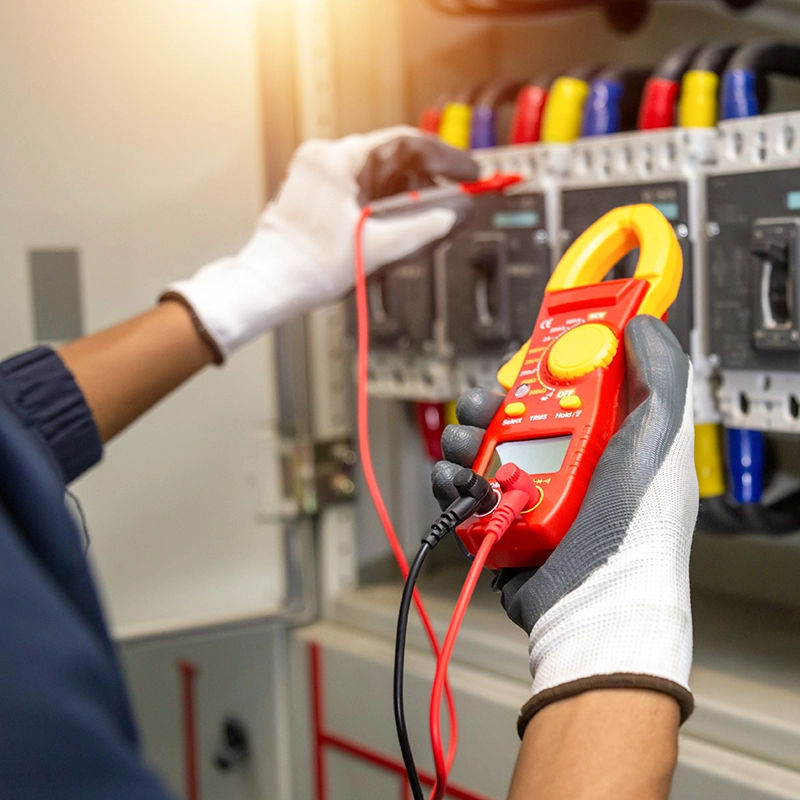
[
  {"x": 581, "y": 350},
  {"x": 515, "y": 409},
  {"x": 570, "y": 402}
]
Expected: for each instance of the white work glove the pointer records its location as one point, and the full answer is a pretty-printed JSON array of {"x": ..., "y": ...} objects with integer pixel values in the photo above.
[
  {"x": 610, "y": 608},
  {"x": 301, "y": 254}
]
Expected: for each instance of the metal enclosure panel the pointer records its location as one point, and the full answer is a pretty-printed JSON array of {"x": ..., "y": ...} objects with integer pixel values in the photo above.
[
  {"x": 355, "y": 679},
  {"x": 241, "y": 674},
  {"x": 131, "y": 133},
  {"x": 709, "y": 772}
]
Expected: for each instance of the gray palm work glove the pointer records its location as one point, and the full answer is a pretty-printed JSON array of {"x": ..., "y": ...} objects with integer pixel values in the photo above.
[{"x": 610, "y": 608}]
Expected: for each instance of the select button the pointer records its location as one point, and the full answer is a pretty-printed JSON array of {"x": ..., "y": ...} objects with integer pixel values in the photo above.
[{"x": 515, "y": 409}]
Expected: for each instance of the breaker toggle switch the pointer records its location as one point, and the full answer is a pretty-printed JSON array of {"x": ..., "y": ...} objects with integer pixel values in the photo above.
[
  {"x": 488, "y": 260},
  {"x": 776, "y": 284}
]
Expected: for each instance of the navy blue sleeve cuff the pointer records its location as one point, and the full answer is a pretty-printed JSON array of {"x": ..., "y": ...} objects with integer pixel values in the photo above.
[{"x": 48, "y": 400}]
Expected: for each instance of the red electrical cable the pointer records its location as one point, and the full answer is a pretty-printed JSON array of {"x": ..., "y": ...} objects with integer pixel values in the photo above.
[
  {"x": 362, "y": 404},
  {"x": 440, "y": 678}
]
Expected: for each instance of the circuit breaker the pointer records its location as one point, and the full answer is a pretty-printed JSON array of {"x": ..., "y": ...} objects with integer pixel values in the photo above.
[
  {"x": 492, "y": 278},
  {"x": 754, "y": 274},
  {"x": 405, "y": 361}
]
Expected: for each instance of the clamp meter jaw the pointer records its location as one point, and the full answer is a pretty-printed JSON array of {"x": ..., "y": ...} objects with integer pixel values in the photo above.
[{"x": 566, "y": 385}]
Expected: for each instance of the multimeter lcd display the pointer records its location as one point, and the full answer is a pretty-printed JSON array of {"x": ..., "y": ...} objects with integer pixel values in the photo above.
[{"x": 535, "y": 456}]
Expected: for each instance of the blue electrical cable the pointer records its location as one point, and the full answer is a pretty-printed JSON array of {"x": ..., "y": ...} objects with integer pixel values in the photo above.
[
  {"x": 484, "y": 113},
  {"x": 742, "y": 83},
  {"x": 612, "y": 104}
]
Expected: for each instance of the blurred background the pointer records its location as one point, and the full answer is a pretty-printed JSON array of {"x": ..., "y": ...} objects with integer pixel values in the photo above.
[{"x": 244, "y": 571}]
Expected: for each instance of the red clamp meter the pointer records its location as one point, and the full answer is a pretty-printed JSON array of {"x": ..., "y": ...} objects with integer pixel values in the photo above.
[{"x": 564, "y": 385}]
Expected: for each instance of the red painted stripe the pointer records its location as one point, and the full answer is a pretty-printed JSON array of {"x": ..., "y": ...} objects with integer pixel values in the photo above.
[
  {"x": 324, "y": 738},
  {"x": 318, "y": 710},
  {"x": 390, "y": 764},
  {"x": 188, "y": 674}
]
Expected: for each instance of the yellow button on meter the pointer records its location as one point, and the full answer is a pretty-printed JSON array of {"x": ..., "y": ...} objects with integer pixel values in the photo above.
[
  {"x": 570, "y": 402},
  {"x": 582, "y": 349},
  {"x": 515, "y": 409}
]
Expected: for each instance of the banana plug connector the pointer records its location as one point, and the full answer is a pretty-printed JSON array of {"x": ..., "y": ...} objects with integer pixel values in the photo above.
[
  {"x": 476, "y": 497},
  {"x": 519, "y": 494}
]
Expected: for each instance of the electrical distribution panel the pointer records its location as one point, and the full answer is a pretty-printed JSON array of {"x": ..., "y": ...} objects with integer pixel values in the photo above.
[
  {"x": 753, "y": 204},
  {"x": 443, "y": 321}
]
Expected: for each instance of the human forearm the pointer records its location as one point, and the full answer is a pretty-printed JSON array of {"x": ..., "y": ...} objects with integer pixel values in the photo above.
[
  {"x": 615, "y": 744},
  {"x": 126, "y": 369}
]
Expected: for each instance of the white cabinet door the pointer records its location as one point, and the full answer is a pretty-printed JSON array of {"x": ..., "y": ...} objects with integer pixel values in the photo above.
[
  {"x": 131, "y": 137},
  {"x": 238, "y": 677}
]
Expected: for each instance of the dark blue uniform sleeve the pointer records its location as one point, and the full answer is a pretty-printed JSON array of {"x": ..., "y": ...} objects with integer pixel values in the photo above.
[
  {"x": 45, "y": 397},
  {"x": 66, "y": 726}
]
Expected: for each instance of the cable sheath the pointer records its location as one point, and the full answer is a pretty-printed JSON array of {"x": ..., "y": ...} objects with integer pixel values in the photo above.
[{"x": 399, "y": 668}]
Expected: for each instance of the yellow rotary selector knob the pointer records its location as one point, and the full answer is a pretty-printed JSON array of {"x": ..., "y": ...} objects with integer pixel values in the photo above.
[{"x": 582, "y": 349}]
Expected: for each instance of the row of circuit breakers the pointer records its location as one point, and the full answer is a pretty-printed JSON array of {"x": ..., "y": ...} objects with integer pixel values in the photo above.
[{"x": 444, "y": 321}]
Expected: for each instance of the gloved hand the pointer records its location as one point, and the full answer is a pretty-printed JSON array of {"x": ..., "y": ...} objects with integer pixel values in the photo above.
[
  {"x": 301, "y": 254},
  {"x": 610, "y": 608}
]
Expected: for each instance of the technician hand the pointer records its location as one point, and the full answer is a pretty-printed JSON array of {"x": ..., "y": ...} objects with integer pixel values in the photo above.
[
  {"x": 301, "y": 254},
  {"x": 610, "y": 608}
]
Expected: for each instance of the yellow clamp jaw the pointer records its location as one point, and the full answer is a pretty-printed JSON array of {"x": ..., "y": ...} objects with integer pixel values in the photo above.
[
  {"x": 600, "y": 247},
  {"x": 594, "y": 253}
]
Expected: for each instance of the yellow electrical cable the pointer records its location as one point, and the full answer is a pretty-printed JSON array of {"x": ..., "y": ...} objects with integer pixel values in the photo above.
[
  {"x": 455, "y": 125},
  {"x": 708, "y": 460},
  {"x": 564, "y": 110},
  {"x": 697, "y": 107}
]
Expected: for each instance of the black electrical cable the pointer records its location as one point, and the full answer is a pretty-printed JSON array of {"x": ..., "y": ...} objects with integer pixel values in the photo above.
[
  {"x": 476, "y": 497},
  {"x": 714, "y": 56},
  {"x": 674, "y": 65},
  {"x": 504, "y": 7},
  {"x": 399, "y": 666}
]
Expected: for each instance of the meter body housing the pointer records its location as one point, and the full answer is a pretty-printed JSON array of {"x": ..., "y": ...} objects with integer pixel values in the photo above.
[{"x": 566, "y": 384}]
